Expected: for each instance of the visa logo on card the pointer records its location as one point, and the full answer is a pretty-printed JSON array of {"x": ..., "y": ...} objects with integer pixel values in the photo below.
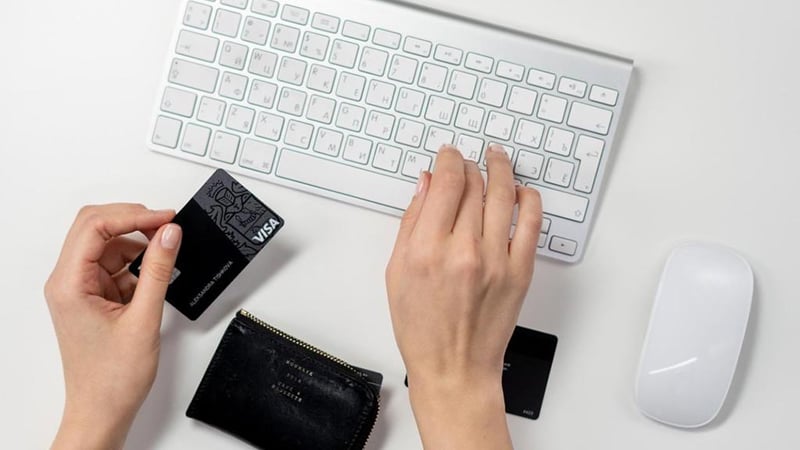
[{"x": 224, "y": 227}]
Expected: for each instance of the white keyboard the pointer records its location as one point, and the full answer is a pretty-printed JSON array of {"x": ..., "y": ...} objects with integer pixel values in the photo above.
[{"x": 351, "y": 99}]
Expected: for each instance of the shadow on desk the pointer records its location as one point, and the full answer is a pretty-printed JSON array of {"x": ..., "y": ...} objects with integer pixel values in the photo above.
[{"x": 162, "y": 408}]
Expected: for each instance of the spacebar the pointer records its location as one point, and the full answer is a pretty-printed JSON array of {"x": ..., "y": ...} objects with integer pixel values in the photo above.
[{"x": 344, "y": 180}]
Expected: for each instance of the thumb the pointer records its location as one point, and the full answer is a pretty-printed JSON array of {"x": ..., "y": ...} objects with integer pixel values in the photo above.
[
  {"x": 156, "y": 272},
  {"x": 410, "y": 217}
]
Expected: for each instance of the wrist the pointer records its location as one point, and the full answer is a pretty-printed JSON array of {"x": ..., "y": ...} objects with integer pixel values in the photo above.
[
  {"x": 460, "y": 412},
  {"x": 81, "y": 429}
]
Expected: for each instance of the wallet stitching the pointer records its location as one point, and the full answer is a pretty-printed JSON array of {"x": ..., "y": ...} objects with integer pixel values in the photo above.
[{"x": 287, "y": 345}]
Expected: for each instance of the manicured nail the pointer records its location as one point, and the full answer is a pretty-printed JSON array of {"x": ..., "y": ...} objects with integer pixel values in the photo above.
[{"x": 171, "y": 237}]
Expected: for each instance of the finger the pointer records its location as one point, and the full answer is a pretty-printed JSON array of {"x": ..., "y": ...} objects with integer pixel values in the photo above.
[
  {"x": 157, "y": 267},
  {"x": 126, "y": 285},
  {"x": 444, "y": 195},
  {"x": 500, "y": 198},
  {"x": 119, "y": 252},
  {"x": 96, "y": 225},
  {"x": 526, "y": 234},
  {"x": 411, "y": 216},
  {"x": 469, "y": 220}
]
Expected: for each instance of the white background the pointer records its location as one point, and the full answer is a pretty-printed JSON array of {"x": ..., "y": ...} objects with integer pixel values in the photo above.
[{"x": 709, "y": 151}]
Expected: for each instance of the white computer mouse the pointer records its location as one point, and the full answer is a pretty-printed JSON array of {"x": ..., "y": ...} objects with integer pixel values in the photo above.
[{"x": 696, "y": 331}]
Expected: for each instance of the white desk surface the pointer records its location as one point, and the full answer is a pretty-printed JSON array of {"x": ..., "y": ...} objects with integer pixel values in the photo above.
[{"x": 709, "y": 151}]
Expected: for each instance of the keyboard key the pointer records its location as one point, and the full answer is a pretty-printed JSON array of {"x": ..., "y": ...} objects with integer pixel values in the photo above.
[
  {"x": 470, "y": 147},
  {"x": 510, "y": 71},
  {"x": 433, "y": 77},
  {"x": 262, "y": 94},
  {"x": 562, "y": 245},
  {"x": 559, "y": 172},
  {"x": 417, "y": 46},
  {"x": 347, "y": 180},
  {"x": 224, "y": 147},
  {"x": 285, "y": 38},
  {"x": 541, "y": 79},
  {"x": 321, "y": 109},
  {"x": 559, "y": 141},
  {"x": 298, "y": 134},
  {"x": 542, "y": 240},
  {"x": 263, "y": 63},
  {"x": 315, "y": 46},
  {"x": 387, "y": 157},
  {"x": 552, "y": 108},
  {"x": 385, "y": 38},
  {"x": 379, "y": 125},
  {"x": 355, "y": 30},
  {"x": 227, "y": 23},
  {"x": 403, "y": 69},
  {"x": 440, "y": 110},
  {"x": 321, "y": 78},
  {"x": 589, "y": 118},
  {"x": 294, "y": 14},
  {"x": 211, "y": 111},
  {"x": 233, "y": 55},
  {"x": 324, "y": 22},
  {"x": 521, "y": 100},
  {"x": 562, "y": 204},
  {"x": 603, "y": 95},
  {"x": 470, "y": 118},
  {"x": 415, "y": 163},
  {"x": 529, "y": 133},
  {"x": 255, "y": 31},
  {"x": 269, "y": 126},
  {"x": 344, "y": 53},
  {"x": 588, "y": 152},
  {"x": 545, "y": 225},
  {"x": 265, "y": 7},
  {"x": 357, "y": 150},
  {"x": 499, "y": 126},
  {"x": 197, "y": 46},
  {"x": 448, "y": 54},
  {"x": 195, "y": 76},
  {"x": 478, "y": 62},
  {"x": 373, "y": 61},
  {"x": 572, "y": 87},
  {"x": 351, "y": 86},
  {"x": 328, "y": 142},
  {"x": 437, "y": 137},
  {"x": 292, "y": 102},
  {"x": 241, "y": 4},
  {"x": 492, "y": 92},
  {"x": 257, "y": 155},
  {"x": 350, "y": 117},
  {"x": 197, "y": 15},
  {"x": 167, "y": 131},
  {"x": 292, "y": 71},
  {"x": 410, "y": 102},
  {"x": 240, "y": 119},
  {"x": 529, "y": 165},
  {"x": 178, "y": 101},
  {"x": 462, "y": 84},
  {"x": 380, "y": 94},
  {"x": 233, "y": 86},
  {"x": 409, "y": 133},
  {"x": 195, "y": 139}
]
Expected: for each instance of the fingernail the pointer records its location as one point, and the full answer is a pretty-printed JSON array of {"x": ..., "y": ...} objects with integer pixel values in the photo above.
[
  {"x": 171, "y": 237},
  {"x": 498, "y": 149},
  {"x": 421, "y": 181}
]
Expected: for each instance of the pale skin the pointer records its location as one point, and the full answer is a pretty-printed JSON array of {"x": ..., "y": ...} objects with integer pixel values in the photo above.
[{"x": 455, "y": 284}]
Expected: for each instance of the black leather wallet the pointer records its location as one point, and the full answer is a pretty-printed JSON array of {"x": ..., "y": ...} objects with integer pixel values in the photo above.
[{"x": 277, "y": 392}]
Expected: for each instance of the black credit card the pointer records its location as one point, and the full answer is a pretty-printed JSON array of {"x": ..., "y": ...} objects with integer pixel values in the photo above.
[
  {"x": 224, "y": 227},
  {"x": 526, "y": 368},
  {"x": 373, "y": 378}
]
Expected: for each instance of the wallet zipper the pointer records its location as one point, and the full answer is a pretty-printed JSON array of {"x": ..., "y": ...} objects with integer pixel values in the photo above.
[{"x": 311, "y": 348}]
